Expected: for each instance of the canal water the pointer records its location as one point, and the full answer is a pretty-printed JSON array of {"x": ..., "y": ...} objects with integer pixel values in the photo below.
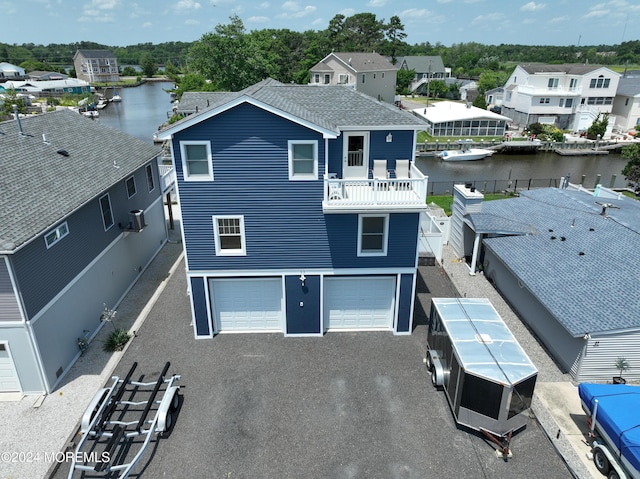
[{"x": 144, "y": 108}]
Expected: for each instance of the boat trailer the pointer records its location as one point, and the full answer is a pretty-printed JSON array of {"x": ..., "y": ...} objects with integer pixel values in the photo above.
[{"x": 113, "y": 424}]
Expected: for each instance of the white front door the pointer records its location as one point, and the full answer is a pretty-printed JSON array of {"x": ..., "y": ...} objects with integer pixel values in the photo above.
[
  {"x": 359, "y": 302},
  {"x": 247, "y": 304},
  {"x": 8, "y": 377},
  {"x": 355, "y": 156}
]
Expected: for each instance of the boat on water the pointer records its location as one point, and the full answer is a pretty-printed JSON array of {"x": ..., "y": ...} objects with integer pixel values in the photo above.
[
  {"x": 116, "y": 98},
  {"x": 466, "y": 152}
]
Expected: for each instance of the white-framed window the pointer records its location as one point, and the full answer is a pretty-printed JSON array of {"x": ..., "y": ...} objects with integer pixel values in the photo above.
[
  {"x": 105, "y": 209},
  {"x": 343, "y": 78},
  {"x": 373, "y": 235},
  {"x": 568, "y": 103},
  {"x": 573, "y": 83},
  {"x": 561, "y": 104},
  {"x": 55, "y": 235},
  {"x": 150, "y": 183},
  {"x": 196, "y": 160},
  {"x": 553, "y": 83},
  {"x": 544, "y": 100},
  {"x": 600, "y": 82},
  {"x": 131, "y": 186},
  {"x": 327, "y": 78},
  {"x": 364, "y": 77},
  {"x": 229, "y": 235},
  {"x": 303, "y": 160},
  {"x": 316, "y": 78}
]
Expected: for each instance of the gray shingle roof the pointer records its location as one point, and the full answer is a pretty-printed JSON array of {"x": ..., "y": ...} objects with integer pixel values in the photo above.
[
  {"x": 330, "y": 107},
  {"x": 423, "y": 64},
  {"x": 588, "y": 280},
  {"x": 629, "y": 87},
  {"x": 199, "y": 100},
  {"x": 569, "y": 68},
  {"x": 40, "y": 187},
  {"x": 358, "y": 62}
]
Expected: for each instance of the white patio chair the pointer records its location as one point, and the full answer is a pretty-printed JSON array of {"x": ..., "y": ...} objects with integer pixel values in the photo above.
[
  {"x": 380, "y": 172},
  {"x": 402, "y": 172}
]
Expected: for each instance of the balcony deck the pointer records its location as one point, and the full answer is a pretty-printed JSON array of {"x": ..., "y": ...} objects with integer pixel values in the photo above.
[{"x": 374, "y": 194}]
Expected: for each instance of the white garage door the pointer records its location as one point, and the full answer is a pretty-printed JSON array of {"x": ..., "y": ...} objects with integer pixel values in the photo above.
[
  {"x": 8, "y": 377},
  {"x": 247, "y": 304},
  {"x": 359, "y": 302}
]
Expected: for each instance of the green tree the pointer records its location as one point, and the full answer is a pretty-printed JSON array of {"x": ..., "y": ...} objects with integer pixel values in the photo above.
[
  {"x": 599, "y": 126},
  {"x": 148, "y": 66},
  {"x": 403, "y": 80},
  {"x": 6, "y": 107},
  {"x": 396, "y": 35},
  {"x": 228, "y": 58},
  {"x": 192, "y": 82},
  {"x": 631, "y": 171},
  {"x": 480, "y": 102},
  {"x": 129, "y": 71},
  {"x": 364, "y": 33}
]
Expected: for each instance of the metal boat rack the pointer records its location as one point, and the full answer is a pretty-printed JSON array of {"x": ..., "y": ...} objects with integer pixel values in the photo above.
[{"x": 112, "y": 425}]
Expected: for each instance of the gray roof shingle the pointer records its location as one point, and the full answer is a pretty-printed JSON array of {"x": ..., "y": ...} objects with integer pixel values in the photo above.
[
  {"x": 40, "y": 187},
  {"x": 579, "y": 264},
  {"x": 330, "y": 107}
]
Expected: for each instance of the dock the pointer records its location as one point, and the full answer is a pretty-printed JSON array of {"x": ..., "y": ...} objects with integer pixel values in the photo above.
[{"x": 579, "y": 151}]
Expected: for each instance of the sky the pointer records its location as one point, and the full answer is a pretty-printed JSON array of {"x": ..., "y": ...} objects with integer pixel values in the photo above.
[{"x": 489, "y": 22}]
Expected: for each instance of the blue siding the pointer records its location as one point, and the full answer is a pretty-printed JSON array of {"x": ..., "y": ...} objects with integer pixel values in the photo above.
[
  {"x": 42, "y": 273},
  {"x": 303, "y": 319},
  {"x": 199, "y": 307},
  {"x": 401, "y": 148},
  {"x": 404, "y": 303},
  {"x": 285, "y": 227}
]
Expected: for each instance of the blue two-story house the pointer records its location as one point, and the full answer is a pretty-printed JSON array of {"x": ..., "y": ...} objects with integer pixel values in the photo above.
[
  {"x": 300, "y": 211},
  {"x": 81, "y": 216}
]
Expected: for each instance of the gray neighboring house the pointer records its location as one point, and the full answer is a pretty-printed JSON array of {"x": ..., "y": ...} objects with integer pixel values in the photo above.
[
  {"x": 81, "y": 216},
  {"x": 44, "y": 76},
  {"x": 570, "y": 271},
  {"x": 196, "y": 101},
  {"x": 426, "y": 68},
  {"x": 626, "y": 104},
  {"x": 368, "y": 73},
  {"x": 96, "y": 66}
]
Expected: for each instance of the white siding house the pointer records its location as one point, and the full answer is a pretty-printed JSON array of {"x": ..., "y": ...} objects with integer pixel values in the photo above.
[{"x": 568, "y": 96}]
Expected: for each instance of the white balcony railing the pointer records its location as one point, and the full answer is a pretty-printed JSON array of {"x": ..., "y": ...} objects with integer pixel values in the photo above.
[
  {"x": 167, "y": 177},
  {"x": 405, "y": 194}
]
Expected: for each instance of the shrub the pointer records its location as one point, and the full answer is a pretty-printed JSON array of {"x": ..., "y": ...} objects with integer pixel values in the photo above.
[{"x": 117, "y": 340}]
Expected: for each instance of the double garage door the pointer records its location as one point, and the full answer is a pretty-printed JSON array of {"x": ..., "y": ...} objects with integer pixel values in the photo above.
[{"x": 257, "y": 304}]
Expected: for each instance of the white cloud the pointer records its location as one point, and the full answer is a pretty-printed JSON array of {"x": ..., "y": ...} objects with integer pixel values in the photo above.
[
  {"x": 488, "y": 18},
  {"x": 597, "y": 13},
  {"x": 376, "y": 3},
  {"x": 294, "y": 10},
  {"x": 186, "y": 6},
  {"x": 258, "y": 19},
  {"x": 562, "y": 19},
  {"x": 147, "y": 25},
  {"x": 99, "y": 11},
  {"x": 264, "y": 5},
  {"x": 533, "y": 7},
  {"x": 347, "y": 12},
  {"x": 414, "y": 13}
]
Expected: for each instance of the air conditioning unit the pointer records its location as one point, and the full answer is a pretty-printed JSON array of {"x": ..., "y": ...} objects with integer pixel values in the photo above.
[{"x": 136, "y": 220}]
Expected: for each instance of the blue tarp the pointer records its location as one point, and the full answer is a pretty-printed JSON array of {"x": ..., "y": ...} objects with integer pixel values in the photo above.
[{"x": 618, "y": 415}]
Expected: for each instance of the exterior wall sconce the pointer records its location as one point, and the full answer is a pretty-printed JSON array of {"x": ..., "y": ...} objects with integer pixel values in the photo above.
[
  {"x": 389, "y": 138},
  {"x": 303, "y": 278}
]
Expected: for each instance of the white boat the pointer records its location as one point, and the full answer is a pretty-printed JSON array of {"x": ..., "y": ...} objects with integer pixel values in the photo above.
[
  {"x": 116, "y": 98},
  {"x": 91, "y": 113},
  {"x": 465, "y": 153}
]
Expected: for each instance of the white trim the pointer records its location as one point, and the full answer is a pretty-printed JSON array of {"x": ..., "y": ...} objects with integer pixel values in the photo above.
[
  {"x": 126, "y": 186},
  {"x": 185, "y": 163},
  {"x": 366, "y": 142},
  {"x": 208, "y": 305},
  {"x": 177, "y": 191},
  {"x": 150, "y": 167},
  {"x": 296, "y": 272},
  {"x": 106, "y": 228},
  {"x": 216, "y": 233},
  {"x": 195, "y": 119},
  {"x": 16, "y": 294},
  {"x": 303, "y": 176},
  {"x": 385, "y": 233},
  {"x": 60, "y": 231}
]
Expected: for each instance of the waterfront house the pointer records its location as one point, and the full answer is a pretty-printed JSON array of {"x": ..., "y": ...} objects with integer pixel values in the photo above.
[
  {"x": 447, "y": 118},
  {"x": 427, "y": 68},
  {"x": 564, "y": 259},
  {"x": 47, "y": 88},
  {"x": 568, "y": 96},
  {"x": 42, "y": 75},
  {"x": 626, "y": 105},
  {"x": 10, "y": 72},
  {"x": 96, "y": 66},
  {"x": 81, "y": 216},
  {"x": 369, "y": 73},
  {"x": 300, "y": 209}
]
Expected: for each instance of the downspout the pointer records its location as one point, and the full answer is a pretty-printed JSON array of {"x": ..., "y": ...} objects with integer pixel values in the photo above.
[{"x": 474, "y": 258}]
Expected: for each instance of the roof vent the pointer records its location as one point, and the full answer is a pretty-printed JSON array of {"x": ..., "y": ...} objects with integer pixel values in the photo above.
[{"x": 63, "y": 152}]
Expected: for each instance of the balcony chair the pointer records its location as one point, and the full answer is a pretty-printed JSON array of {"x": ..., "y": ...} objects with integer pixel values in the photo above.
[
  {"x": 402, "y": 172},
  {"x": 380, "y": 172}
]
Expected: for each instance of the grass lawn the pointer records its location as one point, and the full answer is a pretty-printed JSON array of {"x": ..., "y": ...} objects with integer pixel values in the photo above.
[{"x": 445, "y": 201}]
